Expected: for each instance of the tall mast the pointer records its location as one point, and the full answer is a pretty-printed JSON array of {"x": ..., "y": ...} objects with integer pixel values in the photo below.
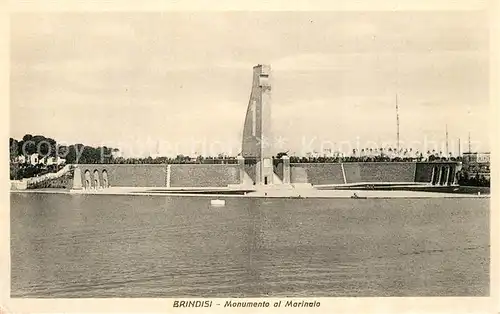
[
  {"x": 459, "y": 151},
  {"x": 397, "y": 124},
  {"x": 447, "y": 152},
  {"x": 469, "y": 143}
]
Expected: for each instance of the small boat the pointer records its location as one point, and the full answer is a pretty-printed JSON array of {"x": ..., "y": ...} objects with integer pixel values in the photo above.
[
  {"x": 358, "y": 197},
  {"x": 218, "y": 202}
]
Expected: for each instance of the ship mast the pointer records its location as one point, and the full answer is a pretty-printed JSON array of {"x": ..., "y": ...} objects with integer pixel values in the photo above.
[
  {"x": 447, "y": 152},
  {"x": 469, "y": 143},
  {"x": 397, "y": 124}
]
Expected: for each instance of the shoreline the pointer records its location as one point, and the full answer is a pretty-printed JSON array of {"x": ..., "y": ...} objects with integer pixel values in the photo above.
[{"x": 305, "y": 193}]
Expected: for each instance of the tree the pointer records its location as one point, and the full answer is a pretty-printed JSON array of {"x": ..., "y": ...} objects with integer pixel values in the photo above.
[
  {"x": 13, "y": 148},
  {"x": 14, "y": 171},
  {"x": 28, "y": 147},
  {"x": 280, "y": 155},
  {"x": 27, "y": 137}
]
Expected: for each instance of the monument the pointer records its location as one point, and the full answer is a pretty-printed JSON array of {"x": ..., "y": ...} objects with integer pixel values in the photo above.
[
  {"x": 256, "y": 170},
  {"x": 257, "y": 133}
]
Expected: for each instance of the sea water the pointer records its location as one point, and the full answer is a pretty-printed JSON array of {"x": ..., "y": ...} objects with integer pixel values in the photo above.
[{"x": 66, "y": 246}]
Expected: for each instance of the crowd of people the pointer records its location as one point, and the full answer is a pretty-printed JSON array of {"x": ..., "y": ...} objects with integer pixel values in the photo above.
[
  {"x": 375, "y": 155},
  {"x": 179, "y": 159}
]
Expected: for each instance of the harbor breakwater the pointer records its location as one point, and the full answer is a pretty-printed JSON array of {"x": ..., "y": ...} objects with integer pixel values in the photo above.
[{"x": 223, "y": 175}]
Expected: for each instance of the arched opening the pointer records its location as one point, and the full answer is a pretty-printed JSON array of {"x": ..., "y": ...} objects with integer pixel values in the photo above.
[
  {"x": 97, "y": 184},
  {"x": 442, "y": 176},
  {"x": 105, "y": 182},
  {"x": 448, "y": 170},
  {"x": 451, "y": 176},
  {"x": 435, "y": 179},
  {"x": 87, "y": 184}
]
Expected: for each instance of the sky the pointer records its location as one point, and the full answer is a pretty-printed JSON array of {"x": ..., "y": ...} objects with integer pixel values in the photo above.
[{"x": 179, "y": 82}]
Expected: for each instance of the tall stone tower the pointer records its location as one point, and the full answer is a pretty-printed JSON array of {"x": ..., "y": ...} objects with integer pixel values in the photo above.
[{"x": 257, "y": 137}]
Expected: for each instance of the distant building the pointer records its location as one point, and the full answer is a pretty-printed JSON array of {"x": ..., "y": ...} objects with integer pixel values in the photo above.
[
  {"x": 34, "y": 159},
  {"x": 60, "y": 161},
  {"x": 476, "y": 163},
  {"x": 50, "y": 161},
  {"x": 476, "y": 157},
  {"x": 43, "y": 160}
]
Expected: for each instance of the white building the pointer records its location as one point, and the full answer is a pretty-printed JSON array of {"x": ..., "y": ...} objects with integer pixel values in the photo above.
[
  {"x": 60, "y": 161},
  {"x": 34, "y": 159},
  {"x": 53, "y": 161},
  {"x": 476, "y": 157},
  {"x": 43, "y": 160}
]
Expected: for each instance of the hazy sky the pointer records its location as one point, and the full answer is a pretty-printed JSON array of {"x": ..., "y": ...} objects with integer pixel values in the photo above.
[{"x": 157, "y": 80}]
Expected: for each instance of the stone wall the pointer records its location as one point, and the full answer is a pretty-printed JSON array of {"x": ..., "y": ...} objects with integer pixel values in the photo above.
[
  {"x": 357, "y": 172},
  {"x": 380, "y": 172},
  {"x": 222, "y": 175},
  {"x": 424, "y": 172},
  {"x": 278, "y": 169},
  {"x": 127, "y": 175},
  {"x": 298, "y": 174},
  {"x": 331, "y": 173},
  {"x": 352, "y": 172},
  {"x": 316, "y": 173},
  {"x": 200, "y": 175},
  {"x": 155, "y": 175}
]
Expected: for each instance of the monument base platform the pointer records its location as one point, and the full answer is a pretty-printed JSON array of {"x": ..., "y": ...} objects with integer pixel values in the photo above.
[{"x": 301, "y": 186}]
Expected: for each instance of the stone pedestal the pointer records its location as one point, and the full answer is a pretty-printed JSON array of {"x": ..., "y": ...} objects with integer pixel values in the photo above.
[
  {"x": 77, "y": 179},
  {"x": 286, "y": 169}
]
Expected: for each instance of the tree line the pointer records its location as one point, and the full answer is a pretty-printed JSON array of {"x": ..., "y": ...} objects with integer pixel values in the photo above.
[{"x": 48, "y": 147}]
